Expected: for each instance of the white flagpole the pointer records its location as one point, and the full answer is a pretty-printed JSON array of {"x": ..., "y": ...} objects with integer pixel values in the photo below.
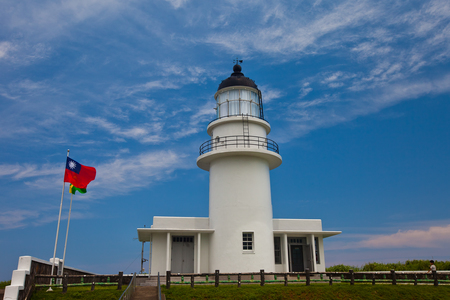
[
  {"x": 57, "y": 228},
  {"x": 67, "y": 235}
]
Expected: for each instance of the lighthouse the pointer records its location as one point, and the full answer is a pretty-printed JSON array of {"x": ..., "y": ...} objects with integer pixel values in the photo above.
[
  {"x": 239, "y": 157},
  {"x": 240, "y": 234}
]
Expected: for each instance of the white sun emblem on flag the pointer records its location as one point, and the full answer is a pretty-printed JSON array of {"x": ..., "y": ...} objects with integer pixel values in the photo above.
[{"x": 72, "y": 164}]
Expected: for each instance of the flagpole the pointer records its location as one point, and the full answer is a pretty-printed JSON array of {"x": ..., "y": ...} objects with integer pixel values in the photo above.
[
  {"x": 67, "y": 235},
  {"x": 57, "y": 228}
]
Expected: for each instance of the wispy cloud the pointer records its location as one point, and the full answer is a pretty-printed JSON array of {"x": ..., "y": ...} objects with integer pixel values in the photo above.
[
  {"x": 122, "y": 175},
  {"x": 23, "y": 171},
  {"x": 177, "y": 3},
  {"x": 119, "y": 174},
  {"x": 151, "y": 85},
  {"x": 329, "y": 110},
  {"x": 270, "y": 94},
  {"x": 16, "y": 218},
  {"x": 145, "y": 133},
  {"x": 295, "y": 35},
  {"x": 430, "y": 237}
]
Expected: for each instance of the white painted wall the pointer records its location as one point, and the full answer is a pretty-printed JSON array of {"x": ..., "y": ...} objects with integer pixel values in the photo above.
[
  {"x": 159, "y": 253},
  {"x": 234, "y": 127},
  {"x": 181, "y": 222},
  {"x": 240, "y": 201},
  {"x": 297, "y": 224},
  {"x": 321, "y": 266},
  {"x": 204, "y": 254}
]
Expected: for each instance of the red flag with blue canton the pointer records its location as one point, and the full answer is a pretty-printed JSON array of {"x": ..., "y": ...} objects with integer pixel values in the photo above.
[{"x": 77, "y": 174}]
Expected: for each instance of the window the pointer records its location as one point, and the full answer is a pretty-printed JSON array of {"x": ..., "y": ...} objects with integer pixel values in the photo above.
[
  {"x": 316, "y": 245},
  {"x": 183, "y": 239},
  {"x": 238, "y": 102},
  {"x": 277, "y": 246},
  {"x": 247, "y": 241},
  {"x": 295, "y": 241}
]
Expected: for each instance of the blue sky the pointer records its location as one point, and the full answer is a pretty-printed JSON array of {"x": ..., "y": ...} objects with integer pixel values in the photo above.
[{"x": 356, "y": 92}]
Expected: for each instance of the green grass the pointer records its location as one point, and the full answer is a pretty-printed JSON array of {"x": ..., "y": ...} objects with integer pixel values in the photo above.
[
  {"x": 4, "y": 283},
  {"x": 80, "y": 292},
  {"x": 318, "y": 291},
  {"x": 409, "y": 265}
]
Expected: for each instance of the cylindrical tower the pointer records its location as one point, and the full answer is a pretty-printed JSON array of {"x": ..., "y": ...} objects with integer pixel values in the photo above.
[{"x": 238, "y": 157}]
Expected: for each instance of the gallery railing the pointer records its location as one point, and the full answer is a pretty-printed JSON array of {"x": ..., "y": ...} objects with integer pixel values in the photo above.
[{"x": 238, "y": 141}]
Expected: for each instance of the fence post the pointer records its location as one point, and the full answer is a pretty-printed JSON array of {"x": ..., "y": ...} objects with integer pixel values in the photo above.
[
  {"x": 308, "y": 279},
  {"x": 373, "y": 279},
  {"x": 192, "y": 281},
  {"x": 119, "y": 285},
  {"x": 285, "y": 279},
  {"x": 93, "y": 284},
  {"x": 394, "y": 280},
  {"x": 352, "y": 277},
  {"x": 216, "y": 278},
  {"x": 167, "y": 279},
  {"x": 331, "y": 279},
  {"x": 261, "y": 274},
  {"x": 65, "y": 284},
  {"x": 239, "y": 280},
  {"x": 435, "y": 278},
  {"x": 415, "y": 279}
]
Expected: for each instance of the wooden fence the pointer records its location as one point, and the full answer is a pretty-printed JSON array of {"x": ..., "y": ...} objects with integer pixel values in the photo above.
[
  {"x": 306, "y": 277},
  {"x": 79, "y": 280}
]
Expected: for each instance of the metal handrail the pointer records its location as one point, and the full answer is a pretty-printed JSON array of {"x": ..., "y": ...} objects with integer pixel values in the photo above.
[
  {"x": 128, "y": 293},
  {"x": 159, "y": 288},
  {"x": 238, "y": 141}
]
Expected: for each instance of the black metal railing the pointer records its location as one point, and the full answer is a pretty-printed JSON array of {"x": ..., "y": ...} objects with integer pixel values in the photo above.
[{"x": 238, "y": 141}]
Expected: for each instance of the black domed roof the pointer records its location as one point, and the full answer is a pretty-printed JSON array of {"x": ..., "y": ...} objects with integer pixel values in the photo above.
[{"x": 237, "y": 79}]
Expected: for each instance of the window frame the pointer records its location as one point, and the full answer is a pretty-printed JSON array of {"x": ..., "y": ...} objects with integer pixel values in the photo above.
[
  {"x": 246, "y": 243},
  {"x": 316, "y": 248},
  {"x": 277, "y": 252}
]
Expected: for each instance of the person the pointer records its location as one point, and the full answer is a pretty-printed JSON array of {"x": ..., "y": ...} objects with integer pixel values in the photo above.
[{"x": 432, "y": 266}]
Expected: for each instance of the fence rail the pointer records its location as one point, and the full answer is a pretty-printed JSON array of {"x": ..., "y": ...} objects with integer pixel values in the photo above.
[
  {"x": 306, "y": 277},
  {"x": 238, "y": 141},
  {"x": 82, "y": 280}
]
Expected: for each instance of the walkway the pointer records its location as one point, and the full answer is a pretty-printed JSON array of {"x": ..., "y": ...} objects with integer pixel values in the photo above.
[{"x": 146, "y": 293}]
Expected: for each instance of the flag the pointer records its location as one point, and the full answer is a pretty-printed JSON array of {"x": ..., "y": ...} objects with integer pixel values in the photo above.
[
  {"x": 77, "y": 174},
  {"x": 73, "y": 189}
]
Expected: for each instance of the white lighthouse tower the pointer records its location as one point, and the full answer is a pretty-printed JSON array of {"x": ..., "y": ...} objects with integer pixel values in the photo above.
[
  {"x": 240, "y": 234},
  {"x": 239, "y": 157}
]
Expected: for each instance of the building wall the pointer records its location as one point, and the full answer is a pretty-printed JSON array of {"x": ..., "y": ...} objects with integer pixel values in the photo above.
[
  {"x": 321, "y": 266},
  {"x": 204, "y": 258},
  {"x": 240, "y": 202},
  {"x": 235, "y": 127},
  {"x": 180, "y": 222},
  {"x": 159, "y": 241},
  {"x": 297, "y": 224}
]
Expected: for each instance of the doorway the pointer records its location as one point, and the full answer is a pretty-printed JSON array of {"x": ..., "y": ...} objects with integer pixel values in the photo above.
[
  {"x": 297, "y": 258},
  {"x": 182, "y": 254}
]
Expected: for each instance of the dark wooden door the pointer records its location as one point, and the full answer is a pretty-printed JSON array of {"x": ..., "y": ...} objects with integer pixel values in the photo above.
[{"x": 297, "y": 258}]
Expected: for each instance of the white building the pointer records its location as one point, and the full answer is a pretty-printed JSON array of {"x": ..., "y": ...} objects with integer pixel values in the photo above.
[{"x": 240, "y": 234}]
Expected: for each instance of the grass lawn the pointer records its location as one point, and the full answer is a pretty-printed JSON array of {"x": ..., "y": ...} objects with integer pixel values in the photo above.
[
  {"x": 80, "y": 292},
  {"x": 318, "y": 291}
]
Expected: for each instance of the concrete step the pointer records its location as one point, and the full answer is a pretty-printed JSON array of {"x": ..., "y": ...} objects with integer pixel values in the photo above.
[{"x": 145, "y": 293}]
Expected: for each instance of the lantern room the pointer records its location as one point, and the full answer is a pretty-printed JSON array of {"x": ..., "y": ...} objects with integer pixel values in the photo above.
[{"x": 238, "y": 95}]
